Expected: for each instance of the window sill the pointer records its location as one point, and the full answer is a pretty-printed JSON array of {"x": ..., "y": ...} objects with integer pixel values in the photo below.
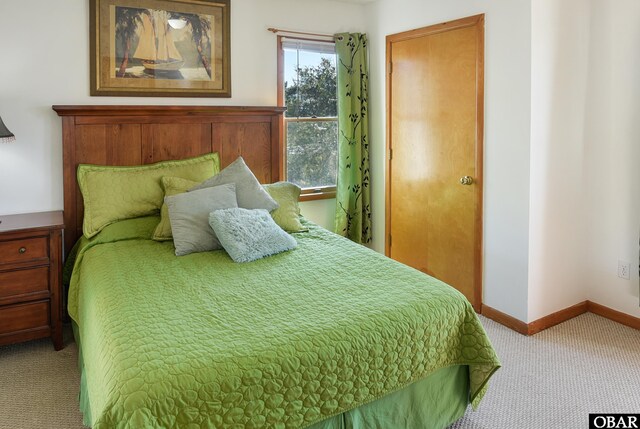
[{"x": 309, "y": 195}]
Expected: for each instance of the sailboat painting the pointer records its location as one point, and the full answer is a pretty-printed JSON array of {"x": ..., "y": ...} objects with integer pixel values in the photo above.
[
  {"x": 161, "y": 47},
  {"x": 158, "y": 37}
]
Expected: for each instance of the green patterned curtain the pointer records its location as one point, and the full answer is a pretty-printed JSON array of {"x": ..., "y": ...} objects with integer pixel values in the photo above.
[{"x": 353, "y": 200}]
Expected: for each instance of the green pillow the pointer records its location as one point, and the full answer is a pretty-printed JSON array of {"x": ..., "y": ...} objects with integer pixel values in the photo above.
[
  {"x": 287, "y": 215},
  {"x": 115, "y": 193},
  {"x": 172, "y": 186}
]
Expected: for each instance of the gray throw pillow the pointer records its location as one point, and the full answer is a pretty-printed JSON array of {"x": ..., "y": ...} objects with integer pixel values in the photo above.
[
  {"x": 249, "y": 193},
  {"x": 189, "y": 217},
  {"x": 248, "y": 235}
]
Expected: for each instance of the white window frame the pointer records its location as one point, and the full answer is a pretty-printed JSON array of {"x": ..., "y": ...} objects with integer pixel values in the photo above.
[{"x": 313, "y": 193}]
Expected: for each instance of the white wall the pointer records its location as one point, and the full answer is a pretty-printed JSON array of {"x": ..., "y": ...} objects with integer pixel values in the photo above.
[
  {"x": 558, "y": 229},
  {"x": 613, "y": 146},
  {"x": 46, "y": 61},
  {"x": 507, "y": 131},
  {"x": 585, "y": 199},
  {"x": 322, "y": 212}
]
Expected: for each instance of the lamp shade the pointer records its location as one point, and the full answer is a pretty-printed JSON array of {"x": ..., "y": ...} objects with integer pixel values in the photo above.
[{"x": 6, "y": 136}]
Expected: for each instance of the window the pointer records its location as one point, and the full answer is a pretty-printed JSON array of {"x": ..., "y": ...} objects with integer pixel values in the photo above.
[{"x": 307, "y": 87}]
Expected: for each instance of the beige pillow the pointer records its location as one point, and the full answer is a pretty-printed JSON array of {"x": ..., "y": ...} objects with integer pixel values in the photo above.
[{"x": 172, "y": 186}]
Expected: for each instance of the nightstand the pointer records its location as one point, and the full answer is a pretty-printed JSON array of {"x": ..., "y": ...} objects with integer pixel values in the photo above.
[{"x": 31, "y": 277}]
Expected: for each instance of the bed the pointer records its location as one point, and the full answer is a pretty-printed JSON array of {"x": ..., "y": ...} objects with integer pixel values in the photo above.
[{"x": 329, "y": 335}]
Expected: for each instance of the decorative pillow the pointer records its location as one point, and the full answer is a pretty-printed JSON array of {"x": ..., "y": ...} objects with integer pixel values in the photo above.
[
  {"x": 172, "y": 186},
  {"x": 287, "y": 215},
  {"x": 189, "y": 216},
  {"x": 248, "y": 190},
  {"x": 115, "y": 193},
  {"x": 248, "y": 235}
]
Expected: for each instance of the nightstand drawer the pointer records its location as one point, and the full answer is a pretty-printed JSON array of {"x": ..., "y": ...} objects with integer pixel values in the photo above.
[
  {"x": 19, "y": 317},
  {"x": 31, "y": 294},
  {"x": 24, "y": 250},
  {"x": 30, "y": 283}
]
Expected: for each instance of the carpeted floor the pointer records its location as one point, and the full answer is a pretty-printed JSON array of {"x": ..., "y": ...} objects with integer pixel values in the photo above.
[
  {"x": 39, "y": 386},
  {"x": 551, "y": 380},
  {"x": 554, "y": 379}
]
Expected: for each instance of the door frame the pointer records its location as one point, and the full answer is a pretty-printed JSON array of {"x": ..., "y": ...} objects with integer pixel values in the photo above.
[{"x": 471, "y": 21}]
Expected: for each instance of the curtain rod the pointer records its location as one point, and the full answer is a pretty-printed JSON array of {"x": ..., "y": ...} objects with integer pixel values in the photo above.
[{"x": 281, "y": 31}]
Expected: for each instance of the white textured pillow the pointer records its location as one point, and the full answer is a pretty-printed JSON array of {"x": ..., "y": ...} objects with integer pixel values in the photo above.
[
  {"x": 248, "y": 235},
  {"x": 248, "y": 190},
  {"x": 189, "y": 217}
]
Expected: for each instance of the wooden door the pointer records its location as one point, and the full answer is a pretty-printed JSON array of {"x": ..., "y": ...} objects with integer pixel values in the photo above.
[{"x": 435, "y": 130}]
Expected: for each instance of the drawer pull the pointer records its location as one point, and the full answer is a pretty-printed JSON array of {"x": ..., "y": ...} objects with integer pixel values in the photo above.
[{"x": 22, "y": 250}]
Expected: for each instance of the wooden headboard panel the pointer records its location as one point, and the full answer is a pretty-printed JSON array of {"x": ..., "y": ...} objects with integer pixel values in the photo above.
[{"x": 134, "y": 135}]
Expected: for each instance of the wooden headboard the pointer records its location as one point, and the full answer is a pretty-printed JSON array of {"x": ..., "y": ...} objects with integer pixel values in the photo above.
[{"x": 134, "y": 135}]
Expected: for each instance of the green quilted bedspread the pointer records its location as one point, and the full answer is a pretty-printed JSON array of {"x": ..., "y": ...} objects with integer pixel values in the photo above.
[{"x": 199, "y": 341}]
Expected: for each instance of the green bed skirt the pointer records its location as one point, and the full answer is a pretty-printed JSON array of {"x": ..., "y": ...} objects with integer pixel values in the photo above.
[{"x": 432, "y": 403}]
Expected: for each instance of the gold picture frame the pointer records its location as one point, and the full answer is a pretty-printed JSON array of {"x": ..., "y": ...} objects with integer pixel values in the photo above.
[{"x": 160, "y": 48}]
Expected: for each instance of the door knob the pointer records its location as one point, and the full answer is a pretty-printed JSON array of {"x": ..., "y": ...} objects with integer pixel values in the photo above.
[{"x": 466, "y": 180}]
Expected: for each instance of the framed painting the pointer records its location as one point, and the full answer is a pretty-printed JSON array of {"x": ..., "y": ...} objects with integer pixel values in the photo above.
[{"x": 160, "y": 48}]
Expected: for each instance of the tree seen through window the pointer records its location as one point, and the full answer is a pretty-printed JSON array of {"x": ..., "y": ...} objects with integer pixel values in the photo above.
[{"x": 312, "y": 128}]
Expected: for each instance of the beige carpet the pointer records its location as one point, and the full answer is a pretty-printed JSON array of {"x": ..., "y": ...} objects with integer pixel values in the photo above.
[
  {"x": 557, "y": 377},
  {"x": 551, "y": 380},
  {"x": 39, "y": 386}
]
